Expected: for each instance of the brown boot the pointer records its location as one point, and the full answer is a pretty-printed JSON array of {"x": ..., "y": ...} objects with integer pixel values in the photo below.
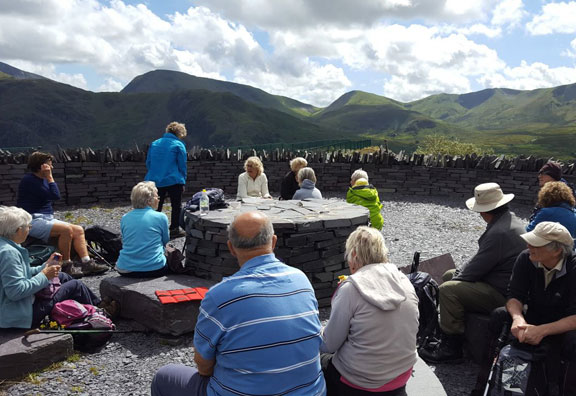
[
  {"x": 91, "y": 267},
  {"x": 71, "y": 269}
]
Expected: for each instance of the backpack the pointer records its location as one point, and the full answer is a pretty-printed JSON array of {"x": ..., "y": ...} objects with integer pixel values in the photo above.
[
  {"x": 427, "y": 291},
  {"x": 215, "y": 198},
  {"x": 512, "y": 371},
  {"x": 39, "y": 254},
  {"x": 76, "y": 316},
  {"x": 104, "y": 242}
]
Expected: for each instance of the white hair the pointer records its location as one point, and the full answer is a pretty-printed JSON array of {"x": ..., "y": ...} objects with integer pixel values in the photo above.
[
  {"x": 11, "y": 219},
  {"x": 358, "y": 174},
  {"x": 306, "y": 173},
  {"x": 143, "y": 194},
  {"x": 369, "y": 246}
]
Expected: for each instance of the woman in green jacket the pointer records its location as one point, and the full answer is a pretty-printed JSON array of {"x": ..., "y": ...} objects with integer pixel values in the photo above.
[{"x": 364, "y": 194}]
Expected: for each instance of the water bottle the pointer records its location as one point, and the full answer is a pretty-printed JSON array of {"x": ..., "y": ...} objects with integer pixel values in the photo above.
[
  {"x": 55, "y": 260},
  {"x": 204, "y": 203}
]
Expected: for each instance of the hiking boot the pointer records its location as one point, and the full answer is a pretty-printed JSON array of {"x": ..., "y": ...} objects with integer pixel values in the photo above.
[
  {"x": 72, "y": 269},
  {"x": 177, "y": 233},
  {"x": 448, "y": 350},
  {"x": 91, "y": 267},
  {"x": 110, "y": 307}
]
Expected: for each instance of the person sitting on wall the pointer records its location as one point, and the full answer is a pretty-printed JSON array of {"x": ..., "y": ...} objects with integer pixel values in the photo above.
[
  {"x": 19, "y": 308},
  {"x": 36, "y": 193},
  {"x": 166, "y": 164},
  {"x": 307, "y": 182},
  {"x": 373, "y": 323},
  {"x": 555, "y": 203},
  {"x": 253, "y": 182},
  {"x": 289, "y": 183},
  {"x": 364, "y": 194},
  {"x": 144, "y": 235},
  {"x": 480, "y": 284},
  {"x": 258, "y": 331},
  {"x": 552, "y": 171}
]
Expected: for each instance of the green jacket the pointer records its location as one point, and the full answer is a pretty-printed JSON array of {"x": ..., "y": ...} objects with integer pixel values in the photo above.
[{"x": 367, "y": 196}]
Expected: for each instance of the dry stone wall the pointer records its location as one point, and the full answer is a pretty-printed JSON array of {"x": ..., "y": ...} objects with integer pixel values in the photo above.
[{"x": 88, "y": 178}]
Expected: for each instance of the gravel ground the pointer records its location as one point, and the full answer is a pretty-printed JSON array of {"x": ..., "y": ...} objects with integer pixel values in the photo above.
[{"x": 126, "y": 365}]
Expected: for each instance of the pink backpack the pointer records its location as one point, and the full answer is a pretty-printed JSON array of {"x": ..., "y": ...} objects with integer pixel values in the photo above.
[{"x": 70, "y": 311}]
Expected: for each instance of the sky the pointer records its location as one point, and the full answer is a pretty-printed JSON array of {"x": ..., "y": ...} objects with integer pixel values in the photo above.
[{"x": 310, "y": 50}]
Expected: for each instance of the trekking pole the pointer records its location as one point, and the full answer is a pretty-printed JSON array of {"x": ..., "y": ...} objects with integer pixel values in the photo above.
[
  {"x": 88, "y": 331},
  {"x": 94, "y": 252},
  {"x": 499, "y": 345}
]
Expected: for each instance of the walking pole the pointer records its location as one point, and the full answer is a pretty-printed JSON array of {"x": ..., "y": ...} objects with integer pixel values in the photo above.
[{"x": 499, "y": 345}]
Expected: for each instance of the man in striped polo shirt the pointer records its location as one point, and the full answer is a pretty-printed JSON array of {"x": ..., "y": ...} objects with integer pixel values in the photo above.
[{"x": 258, "y": 331}]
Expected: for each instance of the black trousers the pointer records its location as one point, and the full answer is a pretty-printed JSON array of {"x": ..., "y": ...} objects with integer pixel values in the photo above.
[{"x": 175, "y": 193}]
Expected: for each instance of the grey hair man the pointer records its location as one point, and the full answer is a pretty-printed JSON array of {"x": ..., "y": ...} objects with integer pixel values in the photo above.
[
  {"x": 258, "y": 331},
  {"x": 480, "y": 284}
]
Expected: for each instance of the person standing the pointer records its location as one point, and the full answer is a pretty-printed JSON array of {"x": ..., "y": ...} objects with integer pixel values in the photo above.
[
  {"x": 258, "y": 331},
  {"x": 166, "y": 164}
]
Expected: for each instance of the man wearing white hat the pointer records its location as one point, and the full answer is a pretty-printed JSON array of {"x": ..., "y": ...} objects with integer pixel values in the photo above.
[
  {"x": 480, "y": 284},
  {"x": 544, "y": 279}
]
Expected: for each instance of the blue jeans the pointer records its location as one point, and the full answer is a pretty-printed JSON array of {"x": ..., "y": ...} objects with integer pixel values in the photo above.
[{"x": 179, "y": 380}]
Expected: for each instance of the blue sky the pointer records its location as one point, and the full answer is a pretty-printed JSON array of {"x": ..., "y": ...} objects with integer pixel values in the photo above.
[{"x": 310, "y": 50}]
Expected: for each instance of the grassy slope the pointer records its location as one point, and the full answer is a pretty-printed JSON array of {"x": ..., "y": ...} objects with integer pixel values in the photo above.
[
  {"x": 42, "y": 112},
  {"x": 170, "y": 81}
]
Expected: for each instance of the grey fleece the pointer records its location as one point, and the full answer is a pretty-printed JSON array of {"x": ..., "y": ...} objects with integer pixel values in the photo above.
[
  {"x": 498, "y": 248},
  {"x": 307, "y": 190},
  {"x": 373, "y": 325}
]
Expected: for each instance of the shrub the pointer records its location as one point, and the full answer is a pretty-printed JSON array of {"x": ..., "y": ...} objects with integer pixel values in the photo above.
[{"x": 440, "y": 144}]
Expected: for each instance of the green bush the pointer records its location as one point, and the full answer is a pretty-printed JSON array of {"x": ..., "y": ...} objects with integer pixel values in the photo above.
[{"x": 440, "y": 144}]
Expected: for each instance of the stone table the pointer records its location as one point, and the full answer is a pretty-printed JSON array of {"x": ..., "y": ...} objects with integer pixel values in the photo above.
[{"x": 311, "y": 236}]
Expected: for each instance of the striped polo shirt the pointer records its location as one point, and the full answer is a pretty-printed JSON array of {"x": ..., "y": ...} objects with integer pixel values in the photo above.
[{"x": 261, "y": 325}]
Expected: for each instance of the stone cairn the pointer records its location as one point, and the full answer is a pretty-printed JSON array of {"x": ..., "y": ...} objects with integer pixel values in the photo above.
[{"x": 311, "y": 237}]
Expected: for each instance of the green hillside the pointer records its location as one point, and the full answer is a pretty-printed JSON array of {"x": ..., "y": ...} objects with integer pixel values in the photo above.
[
  {"x": 171, "y": 81},
  {"x": 46, "y": 113}
]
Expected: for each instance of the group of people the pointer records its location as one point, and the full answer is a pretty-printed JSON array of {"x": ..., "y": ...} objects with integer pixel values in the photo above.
[{"x": 258, "y": 331}]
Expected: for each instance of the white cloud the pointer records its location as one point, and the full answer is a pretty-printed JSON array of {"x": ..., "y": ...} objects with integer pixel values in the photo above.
[
  {"x": 508, "y": 13},
  {"x": 571, "y": 52},
  {"x": 530, "y": 76},
  {"x": 555, "y": 18},
  {"x": 110, "y": 85},
  {"x": 301, "y": 14},
  {"x": 48, "y": 70}
]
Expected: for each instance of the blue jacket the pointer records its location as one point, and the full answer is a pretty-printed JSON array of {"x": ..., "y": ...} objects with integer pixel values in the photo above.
[
  {"x": 307, "y": 190},
  {"x": 144, "y": 235},
  {"x": 18, "y": 284},
  {"x": 166, "y": 161},
  {"x": 561, "y": 213},
  {"x": 35, "y": 195}
]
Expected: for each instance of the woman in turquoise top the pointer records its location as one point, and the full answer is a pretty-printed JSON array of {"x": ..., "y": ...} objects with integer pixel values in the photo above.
[
  {"x": 144, "y": 235},
  {"x": 19, "y": 307}
]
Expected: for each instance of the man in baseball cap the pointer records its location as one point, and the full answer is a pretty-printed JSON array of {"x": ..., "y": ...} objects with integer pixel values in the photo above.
[
  {"x": 480, "y": 284},
  {"x": 544, "y": 279}
]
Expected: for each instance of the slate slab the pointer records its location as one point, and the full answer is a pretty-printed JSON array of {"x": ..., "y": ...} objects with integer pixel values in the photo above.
[
  {"x": 424, "y": 382},
  {"x": 476, "y": 336},
  {"x": 138, "y": 301},
  {"x": 435, "y": 266},
  {"x": 20, "y": 355}
]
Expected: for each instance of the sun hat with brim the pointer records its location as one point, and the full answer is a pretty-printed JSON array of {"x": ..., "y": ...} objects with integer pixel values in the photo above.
[
  {"x": 487, "y": 197},
  {"x": 547, "y": 232}
]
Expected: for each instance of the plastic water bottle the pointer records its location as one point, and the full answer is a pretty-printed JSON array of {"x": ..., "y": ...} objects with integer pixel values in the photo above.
[{"x": 204, "y": 203}]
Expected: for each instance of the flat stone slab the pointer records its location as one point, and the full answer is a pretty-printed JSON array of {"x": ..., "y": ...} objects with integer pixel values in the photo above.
[
  {"x": 20, "y": 355},
  {"x": 424, "y": 382},
  {"x": 138, "y": 301},
  {"x": 477, "y": 335}
]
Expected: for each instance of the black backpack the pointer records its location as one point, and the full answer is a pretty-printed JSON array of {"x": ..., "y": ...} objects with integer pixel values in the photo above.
[
  {"x": 427, "y": 291},
  {"x": 215, "y": 197},
  {"x": 104, "y": 242}
]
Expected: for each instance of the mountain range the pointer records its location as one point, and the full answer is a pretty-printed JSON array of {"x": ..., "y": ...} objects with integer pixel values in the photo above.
[{"x": 35, "y": 111}]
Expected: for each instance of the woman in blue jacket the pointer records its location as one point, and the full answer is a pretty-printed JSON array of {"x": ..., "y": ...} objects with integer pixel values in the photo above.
[
  {"x": 166, "y": 163},
  {"x": 19, "y": 307},
  {"x": 555, "y": 203}
]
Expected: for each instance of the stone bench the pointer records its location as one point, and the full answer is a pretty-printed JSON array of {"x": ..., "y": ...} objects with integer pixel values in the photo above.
[
  {"x": 138, "y": 301},
  {"x": 20, "y": 355},
  {"x": 424, "y": 382}
]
